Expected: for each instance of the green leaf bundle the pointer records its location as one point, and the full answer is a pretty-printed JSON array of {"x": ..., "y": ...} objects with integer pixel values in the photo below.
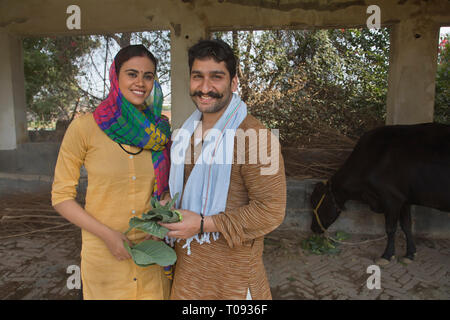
[{"x": 150, "y": 252}]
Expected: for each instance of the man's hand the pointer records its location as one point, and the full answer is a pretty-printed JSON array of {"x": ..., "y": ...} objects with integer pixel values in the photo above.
[{"x": 188, "y": 227}]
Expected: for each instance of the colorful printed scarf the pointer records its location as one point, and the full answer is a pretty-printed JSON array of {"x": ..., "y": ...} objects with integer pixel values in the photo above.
[{"x": 123, "y": 123}]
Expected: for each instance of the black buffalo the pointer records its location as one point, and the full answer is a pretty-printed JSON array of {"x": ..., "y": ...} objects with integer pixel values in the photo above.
[{"x": 390, "y": 169}]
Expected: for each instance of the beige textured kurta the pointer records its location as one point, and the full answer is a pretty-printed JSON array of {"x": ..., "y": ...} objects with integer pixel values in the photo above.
[{"x": 228, "y": 267}]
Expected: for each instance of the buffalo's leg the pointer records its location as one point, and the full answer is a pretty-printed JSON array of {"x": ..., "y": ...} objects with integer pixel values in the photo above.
[
  {"x": 406, "y": 225},
  {"x": 391, "y": 218}
]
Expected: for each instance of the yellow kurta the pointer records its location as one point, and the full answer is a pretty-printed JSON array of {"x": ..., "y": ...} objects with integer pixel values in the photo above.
[{"x": 119, "y": 187}]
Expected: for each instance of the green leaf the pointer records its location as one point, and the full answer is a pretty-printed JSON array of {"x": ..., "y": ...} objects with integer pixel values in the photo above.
[
  {"x": 127, "y": 247},
  {"x": 161, "y": 214},
  {"x": 148, "y": 226},
  {"x": 319, "y": 245},
  {"x": 341, "y": 235},
  {"x": 150, "y": 252},
  {"x": 171, "y": 203},
  {"x": 154, "y": 203}
]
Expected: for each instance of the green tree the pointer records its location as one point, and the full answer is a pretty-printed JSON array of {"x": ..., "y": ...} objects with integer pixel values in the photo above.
[
  {"x": 64, "y": 75},
  {"x": 306, "y": 81},
  {"x": 51, "y": 66}
]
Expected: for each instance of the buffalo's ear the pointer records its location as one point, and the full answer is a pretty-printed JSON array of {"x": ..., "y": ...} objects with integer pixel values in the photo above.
[{"x": 321, "y": 187}]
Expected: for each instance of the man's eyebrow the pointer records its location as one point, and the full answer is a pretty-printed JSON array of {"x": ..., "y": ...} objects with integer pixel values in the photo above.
[
  {"x": 210, "y": 72},
  {"x": 218, "y": 72}
]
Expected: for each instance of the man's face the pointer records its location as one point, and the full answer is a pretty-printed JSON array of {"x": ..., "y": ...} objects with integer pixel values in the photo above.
[{"x": 210, "y": 86}]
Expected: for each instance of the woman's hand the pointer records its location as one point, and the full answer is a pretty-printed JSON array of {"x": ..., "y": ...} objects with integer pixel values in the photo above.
[
  {"x": 150, "y": 237},
  {"x": 114, "y": 241},
  {"x": 166, "y": 199}
]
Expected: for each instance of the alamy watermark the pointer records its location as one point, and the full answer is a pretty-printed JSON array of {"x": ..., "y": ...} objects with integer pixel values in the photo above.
[
  {"x": 374, "y": 281},
  {"x": 74, "y": 20},
  {"x": 374, "y": 20},
  {"x": 74, "y": 280}
]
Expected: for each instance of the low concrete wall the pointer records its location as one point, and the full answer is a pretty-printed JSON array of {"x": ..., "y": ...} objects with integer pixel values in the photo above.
[
  {"x": 30, "y": 169},
  {"x": 38, "y": 158}
]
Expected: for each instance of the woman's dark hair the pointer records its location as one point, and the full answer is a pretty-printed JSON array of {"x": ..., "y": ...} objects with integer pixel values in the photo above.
[
  {"x": 216, "y": 49},
  {"x": 128, "y": 52}
]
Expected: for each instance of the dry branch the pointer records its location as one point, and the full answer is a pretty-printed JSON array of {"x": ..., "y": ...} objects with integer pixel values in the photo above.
[
  {"x": 34, "y": 231},
  {"x": 29, "y": 209},
  {"x": 32, "y": 216}
]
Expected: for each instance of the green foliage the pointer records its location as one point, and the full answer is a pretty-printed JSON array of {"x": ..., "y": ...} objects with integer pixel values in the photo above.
[
  {"x": 319, "y": 244},
  {"x": 301, "y": 81},
  {"x": 341, "y": 236},
  {"x": 150, "y": 252},
  {"x": 51, "y": 66},
  {"x": 64, "y": 75},
  {"x": 442, "y": 97}
]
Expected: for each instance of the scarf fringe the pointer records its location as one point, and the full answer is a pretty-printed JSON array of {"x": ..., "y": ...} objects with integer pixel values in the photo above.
[{"x": 206, "y": 237}]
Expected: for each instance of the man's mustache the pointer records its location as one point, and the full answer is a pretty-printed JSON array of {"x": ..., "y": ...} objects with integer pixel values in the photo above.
[{"x": 210, "y": 93}]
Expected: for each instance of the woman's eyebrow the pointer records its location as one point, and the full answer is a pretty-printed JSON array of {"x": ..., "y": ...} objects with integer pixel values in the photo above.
[{"x": 134, "y": 70}]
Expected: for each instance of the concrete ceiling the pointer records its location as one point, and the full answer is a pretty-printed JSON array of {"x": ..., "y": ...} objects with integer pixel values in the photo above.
[{"x": 47, "y": 17}]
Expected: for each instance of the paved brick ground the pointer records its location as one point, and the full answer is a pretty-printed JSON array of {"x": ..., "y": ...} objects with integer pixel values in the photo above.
[
  {"x": 295, "y": 274},
  {"x": 34, "y": 266}
]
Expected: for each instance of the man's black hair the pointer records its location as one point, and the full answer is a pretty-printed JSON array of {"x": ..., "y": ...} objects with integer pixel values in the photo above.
[
  {"x": 128, "y": 52},
  {"x": 216, "y": 49}
]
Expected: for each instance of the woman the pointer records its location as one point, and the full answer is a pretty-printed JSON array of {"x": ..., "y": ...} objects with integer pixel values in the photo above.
[{"x": 123, "y": 145}]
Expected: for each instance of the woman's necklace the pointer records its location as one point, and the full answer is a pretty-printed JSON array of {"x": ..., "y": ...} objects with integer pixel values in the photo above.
[{"x": 132, "y": 153}]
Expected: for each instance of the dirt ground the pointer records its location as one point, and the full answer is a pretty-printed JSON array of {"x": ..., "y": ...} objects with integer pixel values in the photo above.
[{"x": 33, "y": 265}]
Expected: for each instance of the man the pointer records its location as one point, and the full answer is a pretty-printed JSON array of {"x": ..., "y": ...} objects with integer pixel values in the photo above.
[{"x": 229, "y": 200}]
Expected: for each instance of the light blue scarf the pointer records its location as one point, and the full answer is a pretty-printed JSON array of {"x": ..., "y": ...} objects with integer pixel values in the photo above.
[{"x": 206, "y": 190}]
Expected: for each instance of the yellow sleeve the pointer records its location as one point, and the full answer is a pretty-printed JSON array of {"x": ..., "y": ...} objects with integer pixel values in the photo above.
[{"x": 70, "y": 159}]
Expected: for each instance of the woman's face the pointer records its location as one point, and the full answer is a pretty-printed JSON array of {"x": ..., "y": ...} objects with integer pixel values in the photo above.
[{"x": 136, "y": 79}]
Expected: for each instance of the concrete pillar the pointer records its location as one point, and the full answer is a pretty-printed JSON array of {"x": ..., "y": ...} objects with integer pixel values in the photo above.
[
  {"x": 13, "y": 121},
  {"x": 183, "y": 36},
  {"x": 412, "y": 72}
]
